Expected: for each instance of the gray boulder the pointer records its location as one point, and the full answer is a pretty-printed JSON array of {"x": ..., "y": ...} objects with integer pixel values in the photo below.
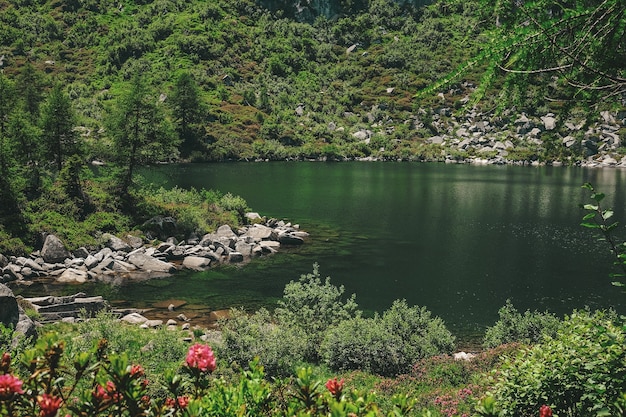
[
  {"x": 549, "y": 122},
  {"x": 143, "y": 261},
  {"x": 115, "y": 243},
  {"x": 225, "y": 231},
  {"x": 161, "y": 227},
  {"x": 9, "y": 310},
  {"x": 196, "y": 262},
  {"x": 54, "y": 250},
  {"x": 290, "y": 239},
  {"x": 81, "y": 252},
  {"x": 259, "y": 232},
  {"x": 73, "y": 276}
]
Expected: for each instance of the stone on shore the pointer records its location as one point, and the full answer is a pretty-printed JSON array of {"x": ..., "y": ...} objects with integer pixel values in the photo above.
[
  {"x": 9, "y": 310},
  {"x": 196, "y": 262},
  {"x": 143, "y": 261},
  {"x": 115, "y": 243},
  {"x": 54, "y": 250},
  {"x": 73, "y": 276}
]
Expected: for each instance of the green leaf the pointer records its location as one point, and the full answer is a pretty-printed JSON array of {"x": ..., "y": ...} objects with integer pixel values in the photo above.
[
  {"x": 590, "y": 225},
  {"x": 607, "y": 214},
  {"x": 597, "y": 196},
  {"x": 618, "y": 284},
  {"x": 590, "y": 207},
  {"x": 589, "y": 216}
]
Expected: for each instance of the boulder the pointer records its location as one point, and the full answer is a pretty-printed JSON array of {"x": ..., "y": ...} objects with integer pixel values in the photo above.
[
  {"x": 134, "y": 318},
  {"x": 196, "y": 262},
  {"x": 134, "y": 241},
  {"x": 259, "y": 232},
  {"x": 290, "y": 239},
  {"x": 225, "y": 231},
  {"x": 160, "y": 226},
  {"x": 81, "y": 252},
  {"x": 73, "y": 276},
  {"x": 235, "y": 257},
  {"x": 148, "y": 263},
  {"x": 115, "y": 243},
  {"x": 244, "y": 248},
  {"x": 3, "y": 261},
  {"x": 54, "y": 250},
  {"x": 9, "y": 310},
  {"x": 25, "y": 326},
  {"x": 549, "y": 122}
]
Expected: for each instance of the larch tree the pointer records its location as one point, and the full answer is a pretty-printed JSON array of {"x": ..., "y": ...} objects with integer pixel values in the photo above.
[
  {"x": 140, "y": 132},
  {"x": 188, "y": 111},
  {"x": 57, "y": 124},
  {"x": 577, "y": 47}
]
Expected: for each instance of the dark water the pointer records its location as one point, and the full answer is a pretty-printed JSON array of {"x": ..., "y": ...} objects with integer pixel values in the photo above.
[{"x": 457, "y": 239}]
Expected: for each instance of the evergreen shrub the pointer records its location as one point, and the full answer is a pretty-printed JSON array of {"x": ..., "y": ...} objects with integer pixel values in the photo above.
[
  {"x": 389, "y": 344},
  {"x": 578, "y": 372},
  {"x": 528, "y": 328}
]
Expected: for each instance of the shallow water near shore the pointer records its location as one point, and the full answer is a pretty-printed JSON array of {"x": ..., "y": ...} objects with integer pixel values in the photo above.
[{"x": 458, "y": 239}]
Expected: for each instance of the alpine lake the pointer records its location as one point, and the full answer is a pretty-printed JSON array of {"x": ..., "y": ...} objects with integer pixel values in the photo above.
[{"x": 458, "y": 239}]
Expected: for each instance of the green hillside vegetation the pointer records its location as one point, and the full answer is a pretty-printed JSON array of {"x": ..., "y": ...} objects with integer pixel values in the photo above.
[{"x": 132, "y": 83}]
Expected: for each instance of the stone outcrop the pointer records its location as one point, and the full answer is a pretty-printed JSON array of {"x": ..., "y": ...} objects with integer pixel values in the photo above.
[
  {"x": 54, "y": 250},
  {"x": 9, "y": 311},
  {"x": 507, "y": 138},
  {"x": 123, "y": 259},
  {"x": 51, "y": 309}
]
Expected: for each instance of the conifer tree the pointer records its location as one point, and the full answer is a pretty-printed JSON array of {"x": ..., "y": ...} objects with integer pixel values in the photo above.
[
  {"x": 57, "y": 124},
  {"x": 140, "y": 132},
  {"x": 188, "y": 110}
]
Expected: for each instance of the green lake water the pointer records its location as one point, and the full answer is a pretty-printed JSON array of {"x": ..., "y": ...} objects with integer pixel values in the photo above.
[{"x": 458, "y": 239}]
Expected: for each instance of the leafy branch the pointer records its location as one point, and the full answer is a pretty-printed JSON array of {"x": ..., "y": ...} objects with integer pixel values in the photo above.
[{"x": 599, "y": 218}]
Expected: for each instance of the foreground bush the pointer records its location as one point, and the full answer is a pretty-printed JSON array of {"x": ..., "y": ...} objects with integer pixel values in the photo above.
[
  {"x": 102, "y": 383},
  {"x": 310, "y": 306},
  {"x": 313, "y": 323},
  {"x": 512, "y": 326},
  {"x": 579, "y": 372},
  {"x": 389, "y": 344},
  {"x": 245, "y": 337}
]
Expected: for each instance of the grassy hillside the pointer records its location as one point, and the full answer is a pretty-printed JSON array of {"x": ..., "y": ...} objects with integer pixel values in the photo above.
[{"x": 272, "y": 87}]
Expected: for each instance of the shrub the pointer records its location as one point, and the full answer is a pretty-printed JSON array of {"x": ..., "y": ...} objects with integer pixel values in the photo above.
[
  {"x": 246, "y": 337},
  {"x": 312, "y": 306},
  {"x": 389, "y": 344},
  {"x": 528, "y": 328},
  {"x": 236, "y": 204},
  {"x": 579, "y": 372}
]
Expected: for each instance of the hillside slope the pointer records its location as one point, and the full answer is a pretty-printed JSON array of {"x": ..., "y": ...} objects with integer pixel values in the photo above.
[{"x": 271, "y": 87}]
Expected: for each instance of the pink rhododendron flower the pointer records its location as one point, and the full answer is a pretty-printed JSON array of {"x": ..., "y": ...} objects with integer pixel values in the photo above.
[
  {"x": 137, "y": 370},
  {"x": 201, "y": 357},
  {"x": 335, "y": 387},
  {"x": 9, "y": 385},
  {"x": 545, "y": 411},
  {"x": 49, "y": 405},
  {"x": 179, "y": 402}
]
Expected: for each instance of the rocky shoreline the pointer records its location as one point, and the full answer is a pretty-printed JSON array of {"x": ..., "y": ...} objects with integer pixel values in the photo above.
[
  {"x": 132, "y": 258},
  {"x": 509, "y": 138},
  {"x": 119, "y": 260}
]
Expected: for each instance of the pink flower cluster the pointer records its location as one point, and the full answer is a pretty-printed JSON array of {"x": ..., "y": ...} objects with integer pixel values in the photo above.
[
  {"x": 9, "y": 385},
  {"x": 49, "y": 405},
  {"x": 106, "y": 393},
  {"x": 545, "y": 411},
  {"x": 201, "y": 357},
  {"x": 179, "y": 402},
  {"x": 335, "y": 387}
]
